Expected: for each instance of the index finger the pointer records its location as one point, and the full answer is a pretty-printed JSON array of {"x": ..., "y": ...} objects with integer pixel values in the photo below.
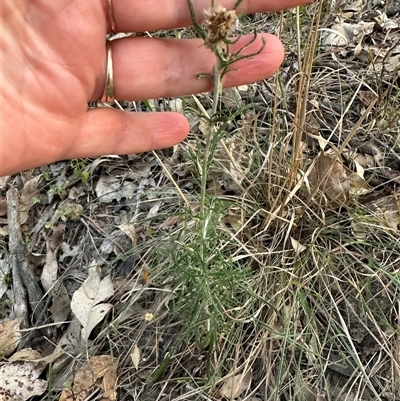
[{"x": 153, "y": 15}]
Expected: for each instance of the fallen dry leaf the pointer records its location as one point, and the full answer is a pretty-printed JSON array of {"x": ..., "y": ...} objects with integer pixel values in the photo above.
[
  {"x": 235, "y": 386},
  {"x": 10, "y": 336},
  {"x": 297, "y": 246},
  {"x": 135, "y": 356},
  {"x": 336, "y": 181},
  {"x": 383, "y": 212},
  {"x": 235, "y": 219},
  {"x": 4, "y": 230},
  {"x": 171, "y": 221},
  {"x": 68, "y": 251},
  {"x": 31, "y": 355},
  {"x": 71, "y": 341},
  {"x": 19, "y": 380},
  {"x": 86, "y": 301},
  {"x": 354, "y": 7},
  {"x": 61, "y": 306},
  {"x": 5, "y": 270},
  {"x": 109, "y": 188},
  {"x": 130, "y": 230},
  {"x": 3, "y": 206},
  {"x": 153, "y": 211},
  {"x": 27, "y": 198},
  {"x": 57, "y": 236},
  {"x": 4, "y": 182},
  {"x": 106, "y": 367},
  {"x": 231, "y": 98},
  {"x": 84, "y": 382},
  {"x": 50, "y": 270},
  {"x": 329, "y": 174},
  {"x": 387, "y": 211},
  {"x": 26, "y": 354},
  {"x": 99, "y": 367}
]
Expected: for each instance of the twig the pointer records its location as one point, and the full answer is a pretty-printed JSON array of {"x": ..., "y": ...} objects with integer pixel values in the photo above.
[
  {"x": 24, "y": 280},
  {"x": 20, "y": 307}
]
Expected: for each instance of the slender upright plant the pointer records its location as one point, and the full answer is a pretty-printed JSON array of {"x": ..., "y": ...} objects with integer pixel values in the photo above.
[{"x": 216, "y": 30}]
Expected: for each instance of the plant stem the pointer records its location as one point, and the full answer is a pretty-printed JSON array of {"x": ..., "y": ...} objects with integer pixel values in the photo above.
[{"x": 217, "y": 79}]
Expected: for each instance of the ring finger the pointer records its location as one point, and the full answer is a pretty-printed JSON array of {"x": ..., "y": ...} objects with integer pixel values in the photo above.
[{"x": 147, "y": 68}]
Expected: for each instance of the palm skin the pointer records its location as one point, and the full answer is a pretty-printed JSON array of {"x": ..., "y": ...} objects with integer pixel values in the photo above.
[{"x": 54, "y": 63}]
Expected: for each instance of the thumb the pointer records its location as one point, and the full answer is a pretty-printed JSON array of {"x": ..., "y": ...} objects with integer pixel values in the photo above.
[{"x": 111, "y": 131}]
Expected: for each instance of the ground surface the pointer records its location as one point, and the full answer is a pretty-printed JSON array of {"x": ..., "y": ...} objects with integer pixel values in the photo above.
[{"x": 286, "y": 289}]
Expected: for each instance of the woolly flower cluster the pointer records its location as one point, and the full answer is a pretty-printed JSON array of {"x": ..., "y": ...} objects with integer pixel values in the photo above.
[{"x": 219, "y": 24}]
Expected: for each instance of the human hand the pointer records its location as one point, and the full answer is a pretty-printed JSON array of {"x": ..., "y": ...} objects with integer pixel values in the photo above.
[{"x": 54, "y": 63}]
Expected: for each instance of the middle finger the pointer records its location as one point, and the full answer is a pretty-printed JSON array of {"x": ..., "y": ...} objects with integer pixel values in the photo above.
[{"x": 152, "y": 15}]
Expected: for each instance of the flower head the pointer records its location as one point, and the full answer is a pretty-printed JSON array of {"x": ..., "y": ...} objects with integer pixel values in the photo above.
[{"x": 219, "y": 24}]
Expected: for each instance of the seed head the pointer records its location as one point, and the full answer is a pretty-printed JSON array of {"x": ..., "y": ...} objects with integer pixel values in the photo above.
[{"x": 219, "y": 24}]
